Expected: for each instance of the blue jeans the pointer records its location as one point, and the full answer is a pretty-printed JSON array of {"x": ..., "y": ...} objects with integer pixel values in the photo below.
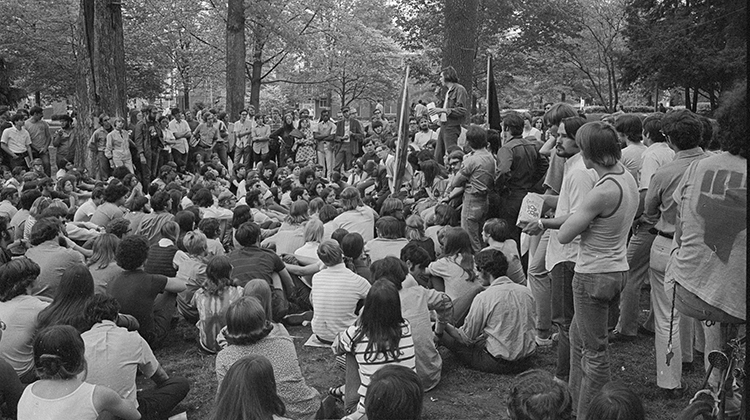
[
  {"x": 562, "y": 313},
  {"x": 472, "y": 216},
  {"x": 594, "y": 295},
  {"x": 638, "y": 260},
  {"x": 540, "y": 284}
]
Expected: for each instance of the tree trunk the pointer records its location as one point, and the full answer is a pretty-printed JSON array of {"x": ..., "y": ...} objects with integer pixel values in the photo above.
[
  {"x": 186, "y": 96},
  {"x": 101, "y": 70},
  {"x": 687, "y": 97},
  {"x": 235, "y": 58},
  {"x": 38, "y": 98},
  {"x": 256, "y": 70},
  {"x": 460, "y": 39},
  {"x": 694, "y": 107}
]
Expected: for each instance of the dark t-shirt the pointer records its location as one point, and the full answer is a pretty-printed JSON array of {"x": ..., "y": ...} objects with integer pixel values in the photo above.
[
  {"x": 254, "y": 263},
  {"x": 428, "y": 245},
  {"x": 135, "y": 291}
]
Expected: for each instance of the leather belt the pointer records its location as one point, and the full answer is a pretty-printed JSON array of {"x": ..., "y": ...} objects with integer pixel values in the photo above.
[{"x": 655, "y": 231}]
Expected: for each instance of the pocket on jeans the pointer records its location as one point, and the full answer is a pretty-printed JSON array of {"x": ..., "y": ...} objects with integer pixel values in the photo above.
[
  {"x": 604, "y": 287},
  {"x": 659, "y": 255}
]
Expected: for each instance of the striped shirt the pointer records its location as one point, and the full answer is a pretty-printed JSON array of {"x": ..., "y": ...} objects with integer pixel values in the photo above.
[
  {"x": 367, "y": 365},
  {"x": 334, "y": 296}
]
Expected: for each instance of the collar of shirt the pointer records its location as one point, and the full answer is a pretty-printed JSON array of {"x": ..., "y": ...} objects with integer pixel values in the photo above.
[
  {"x": 501, "y": 280},
  {"x": 165, "y": 242},
  {"x": 689, "y": 153}
]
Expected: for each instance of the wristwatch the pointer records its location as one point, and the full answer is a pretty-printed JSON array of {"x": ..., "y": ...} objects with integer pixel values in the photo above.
[{"x": 540, "y": 224}]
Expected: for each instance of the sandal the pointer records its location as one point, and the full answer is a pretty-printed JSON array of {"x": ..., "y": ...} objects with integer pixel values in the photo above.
[{"x": 337, "y": 391}]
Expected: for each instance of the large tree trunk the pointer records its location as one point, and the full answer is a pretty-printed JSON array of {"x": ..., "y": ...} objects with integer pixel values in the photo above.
[
  {"x": 256, "y": 69},
  {"x": 100, "y": 65},
  {"x": 459, "y": 43},
  {"x": 235, "y": 58}
]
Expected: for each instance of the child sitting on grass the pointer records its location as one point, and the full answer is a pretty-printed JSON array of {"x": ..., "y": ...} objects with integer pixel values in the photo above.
[{"x": 212, "y": 301}]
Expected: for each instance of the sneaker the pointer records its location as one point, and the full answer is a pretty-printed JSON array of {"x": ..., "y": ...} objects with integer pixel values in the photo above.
[
  {"x": 298, "y": 319},
  {"x": 544, "y": 342},
  {"x": 615, "y": 337}
]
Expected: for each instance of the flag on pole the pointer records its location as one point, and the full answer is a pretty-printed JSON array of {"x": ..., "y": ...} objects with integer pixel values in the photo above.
[
  {"x": 493, "y": 107},
  {"x": 402, "y": 144}
]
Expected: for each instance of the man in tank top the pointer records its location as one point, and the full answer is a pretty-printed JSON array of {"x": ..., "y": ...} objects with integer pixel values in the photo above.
[{"x": 603, "y": 221}]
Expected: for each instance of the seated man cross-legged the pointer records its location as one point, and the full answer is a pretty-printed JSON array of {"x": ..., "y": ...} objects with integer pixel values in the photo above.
[{"x": 498, "y": 334}]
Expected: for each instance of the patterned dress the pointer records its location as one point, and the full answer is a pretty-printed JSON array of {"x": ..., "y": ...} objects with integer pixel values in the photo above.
[{"x": 305, "y": 147}]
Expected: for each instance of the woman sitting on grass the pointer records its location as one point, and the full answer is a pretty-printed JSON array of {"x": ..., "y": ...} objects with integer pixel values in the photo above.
[
  {"x": 212, "y": 301},
  {"x": 249, "y": 392},
  {"x": 61, "y": 393},
  {"x": 191, "y": 268},
  {"x": 380, "y": 337},
  {"x": 454, "y": 272},
  {"x": 250, "y": 332}
]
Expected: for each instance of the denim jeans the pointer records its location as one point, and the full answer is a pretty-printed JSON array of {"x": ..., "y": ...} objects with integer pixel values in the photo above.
[
  {"x": 158, "y": 402},
  {"x": 477, "y": 357},
  {"x": 473, "y": 212},
  {"x": 667, "y": 377},
  {"x": 639, "y": 249},
  {"x": 220, "y": 148},
  {"x": 540, "y": 284},
  {"x": 562, "y": 313},
  {"x": 447, "y": 137},
  {"x": 594, "y": 295}
]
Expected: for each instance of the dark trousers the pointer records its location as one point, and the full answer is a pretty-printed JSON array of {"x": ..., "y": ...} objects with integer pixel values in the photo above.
[
  {"x": 158, "y": 403},
  {"x": 477, "y": 357},
  {"x": 562, "y": 313},
  {"x": 165, "y": 305},
  {"x": 447, "y": 137},
  {"x": 220, "y": 148},
  {"x": 180, "y": 159}
]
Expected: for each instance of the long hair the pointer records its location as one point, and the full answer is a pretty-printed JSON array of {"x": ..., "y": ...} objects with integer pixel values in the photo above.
[
  {"x": 298, "y": 213},
  {"x": 414, "y": 228},
  {"x": 218, "y": 270},
  {"x": 248, "y": 391},
  {"x": 381, "y": 322},
  {"x": 75, "y": 289},
  {"x": 103, "y": 248},
  {"x": 458, "y": 243}
]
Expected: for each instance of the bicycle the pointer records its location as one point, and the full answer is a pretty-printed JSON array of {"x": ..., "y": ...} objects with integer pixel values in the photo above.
[{"x": 710, "y": 404}]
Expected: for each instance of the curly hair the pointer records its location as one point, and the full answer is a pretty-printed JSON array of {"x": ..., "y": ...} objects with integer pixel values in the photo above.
[
  {"x": 132, "y": 252},
  {"x": 118, "y": 227},
  {"x": 210, "y": 227},
  {"x": 114, "y": 192}
]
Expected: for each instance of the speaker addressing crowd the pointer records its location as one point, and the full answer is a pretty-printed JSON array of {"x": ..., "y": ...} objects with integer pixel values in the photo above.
[{"x": 247, "y": 227}]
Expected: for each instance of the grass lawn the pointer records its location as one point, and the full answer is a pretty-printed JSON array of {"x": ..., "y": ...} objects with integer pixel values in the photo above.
[{"x": 461, "y": 394}]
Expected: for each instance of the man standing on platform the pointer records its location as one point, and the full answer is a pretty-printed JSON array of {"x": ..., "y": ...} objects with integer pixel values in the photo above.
[
  {"x": 455, "y": 112},
  {"x": 349, "y": 134}
]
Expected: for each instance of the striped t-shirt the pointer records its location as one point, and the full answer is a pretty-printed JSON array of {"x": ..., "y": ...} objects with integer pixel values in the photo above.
[
  {"x": 334, "y": 296},
  {"x": 367, "y": 368}
]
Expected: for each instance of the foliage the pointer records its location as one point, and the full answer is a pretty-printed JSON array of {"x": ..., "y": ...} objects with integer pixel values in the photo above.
[{"x": 700, "y": 44}]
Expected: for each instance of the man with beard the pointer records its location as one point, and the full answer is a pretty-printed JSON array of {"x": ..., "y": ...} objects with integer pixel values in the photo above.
[
  {"x": 425, "y": 134},
  {"x": 62, "y": 141},
  {"x": 148, "y": 144},
  {"x": 561, "y": 259}
]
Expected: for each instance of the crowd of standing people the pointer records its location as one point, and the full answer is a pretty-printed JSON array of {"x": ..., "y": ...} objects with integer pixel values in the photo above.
[{"x": 246, "y": 228}]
